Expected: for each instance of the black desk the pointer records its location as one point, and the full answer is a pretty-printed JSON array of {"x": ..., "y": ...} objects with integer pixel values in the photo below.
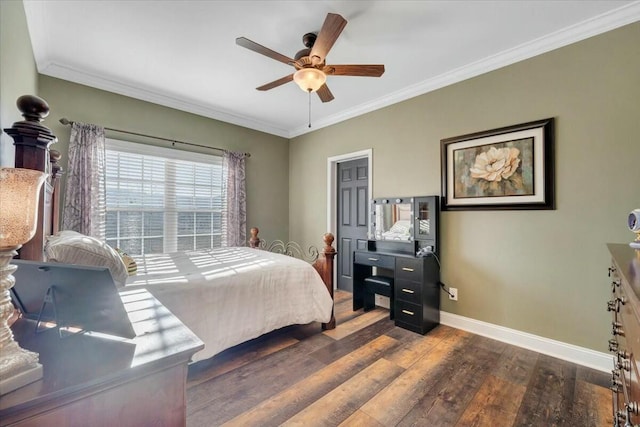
[{"x": 416, "y": 286}]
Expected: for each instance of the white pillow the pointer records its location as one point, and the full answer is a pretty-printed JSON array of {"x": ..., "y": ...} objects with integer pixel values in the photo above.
[
  {"x": 70, "y": 247},
  {"x": 65, "y": 233}
]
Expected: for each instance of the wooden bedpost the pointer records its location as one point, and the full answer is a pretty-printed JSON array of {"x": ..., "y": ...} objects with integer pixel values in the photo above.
[
  {"x": 32, "y": 140},
  {"x": 54, "y": 179},
  {"x": 324, "y": 265},
  {"x": 254, "y": 241}
]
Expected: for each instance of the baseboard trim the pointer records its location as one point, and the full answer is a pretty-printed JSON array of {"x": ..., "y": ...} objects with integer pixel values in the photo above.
[{"x": 572, "y": 353}]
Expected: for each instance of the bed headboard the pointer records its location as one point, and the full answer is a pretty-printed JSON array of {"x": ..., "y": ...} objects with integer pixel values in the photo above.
[{"x": 32, "y": 141}]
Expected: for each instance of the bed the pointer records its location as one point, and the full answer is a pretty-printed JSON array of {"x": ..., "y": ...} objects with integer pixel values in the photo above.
[{"x": 225, "y": 296}]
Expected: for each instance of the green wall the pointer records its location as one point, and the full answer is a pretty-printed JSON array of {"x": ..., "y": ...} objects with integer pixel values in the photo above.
[
  {"x": 267, "y": 168},
  {"x": 18, "y": 73},
  {"x": 541, "y": 272}
]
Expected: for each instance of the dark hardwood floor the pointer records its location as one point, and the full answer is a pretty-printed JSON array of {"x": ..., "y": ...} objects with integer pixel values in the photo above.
[{"x": 367, "y": 372}]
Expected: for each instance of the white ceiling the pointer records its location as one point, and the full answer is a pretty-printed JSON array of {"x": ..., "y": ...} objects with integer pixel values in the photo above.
[{"x": 182, "y": 54}]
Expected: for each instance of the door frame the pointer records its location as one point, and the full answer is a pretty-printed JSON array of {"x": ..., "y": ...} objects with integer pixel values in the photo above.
[{"x": 332, "y": 193}]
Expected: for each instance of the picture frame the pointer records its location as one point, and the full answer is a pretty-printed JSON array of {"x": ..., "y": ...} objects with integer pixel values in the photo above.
[{"x": 509, "y": 168}]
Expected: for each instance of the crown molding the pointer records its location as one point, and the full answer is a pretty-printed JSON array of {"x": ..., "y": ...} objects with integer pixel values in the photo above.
[
  {"x": 65, "y": 72},
  {"x": 613, "y": 19}
]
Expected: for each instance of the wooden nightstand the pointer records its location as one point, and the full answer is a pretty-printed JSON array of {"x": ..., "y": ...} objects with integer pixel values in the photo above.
[{"x": 94, "y": 380}]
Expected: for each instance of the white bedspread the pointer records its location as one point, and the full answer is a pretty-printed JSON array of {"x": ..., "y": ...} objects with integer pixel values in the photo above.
[{"x": 230, "y": 295}]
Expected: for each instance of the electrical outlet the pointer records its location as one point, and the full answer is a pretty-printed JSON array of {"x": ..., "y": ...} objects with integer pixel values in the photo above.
[{"x": 453, "y": 294}]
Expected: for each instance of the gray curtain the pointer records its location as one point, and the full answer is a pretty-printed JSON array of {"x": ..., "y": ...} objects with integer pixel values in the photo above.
[
  {"x": 84, "y": 202},
  {"x": 235, "y": 214}
]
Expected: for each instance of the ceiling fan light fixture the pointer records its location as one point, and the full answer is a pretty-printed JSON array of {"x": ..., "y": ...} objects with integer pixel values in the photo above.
[{"x": 309, "y": 79}]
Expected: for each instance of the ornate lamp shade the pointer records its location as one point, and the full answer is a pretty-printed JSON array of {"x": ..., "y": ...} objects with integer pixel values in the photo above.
[{"x": 19, "y": 197}]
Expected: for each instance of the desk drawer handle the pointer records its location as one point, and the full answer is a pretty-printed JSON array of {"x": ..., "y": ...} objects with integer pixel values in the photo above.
[
  {"x": 407, "y": 269},
  {"x": 410, "y": 313},
  {"x": 408, "y": 291},
  {"x": 373, "y": 259}
]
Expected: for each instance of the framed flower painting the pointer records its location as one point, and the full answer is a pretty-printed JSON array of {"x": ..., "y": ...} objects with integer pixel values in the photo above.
[{"x": 506, "y": 168}]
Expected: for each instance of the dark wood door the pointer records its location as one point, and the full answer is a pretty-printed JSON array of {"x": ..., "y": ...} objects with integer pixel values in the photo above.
[{"x": 353, "y": 199}]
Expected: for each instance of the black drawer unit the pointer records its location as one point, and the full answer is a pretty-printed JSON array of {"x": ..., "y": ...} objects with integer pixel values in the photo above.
[
  {"x": 416, "y": 291},
  {"x": 409, "y": 268},
  {"x": 417, "y": 297},
  {"x": 409, "y": 291},
  {"x": 374, "y": 259}
]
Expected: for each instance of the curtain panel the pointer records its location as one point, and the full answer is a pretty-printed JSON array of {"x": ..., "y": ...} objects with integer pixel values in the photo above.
[
  {"x": 235, "y": 217},
  {"x": 84, "y": 202}
]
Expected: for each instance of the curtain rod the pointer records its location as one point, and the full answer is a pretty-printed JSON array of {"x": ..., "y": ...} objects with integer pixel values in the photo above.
[{"x": 66, "y": 122}]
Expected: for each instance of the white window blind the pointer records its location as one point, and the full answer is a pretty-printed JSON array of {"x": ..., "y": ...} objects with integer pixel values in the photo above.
[{"x": 160, "y": 200}]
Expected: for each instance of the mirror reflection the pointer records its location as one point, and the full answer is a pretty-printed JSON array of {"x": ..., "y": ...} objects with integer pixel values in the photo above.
[
  {"x": 394, "y": 221},
  {"x": 424, "y": 228}
]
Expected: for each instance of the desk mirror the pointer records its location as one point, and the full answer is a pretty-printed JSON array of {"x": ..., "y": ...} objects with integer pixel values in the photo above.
[{"x": 392, "y": 219}]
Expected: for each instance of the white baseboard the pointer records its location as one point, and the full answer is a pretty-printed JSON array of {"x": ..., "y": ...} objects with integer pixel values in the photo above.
[{"x": 572, "y": 353}]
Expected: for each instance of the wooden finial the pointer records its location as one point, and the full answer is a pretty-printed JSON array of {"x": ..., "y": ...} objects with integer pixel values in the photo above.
[
  {"x": 54, "y": 159},
  {"x": 29, "y": 135},
  {"x": 254, "y": 241},
  {"x": 33, "y": 108},
  {"x": 328, "y": 241}
]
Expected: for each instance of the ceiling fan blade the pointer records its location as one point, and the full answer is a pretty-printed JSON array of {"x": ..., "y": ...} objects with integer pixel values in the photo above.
[
  {"x": 251, "y": 45},
  {"x": 354, "y": 70},
  {"x": 329, "y": 33},
  {"x": 324, "y": 93},
  {"x": 276, "y": 83}
]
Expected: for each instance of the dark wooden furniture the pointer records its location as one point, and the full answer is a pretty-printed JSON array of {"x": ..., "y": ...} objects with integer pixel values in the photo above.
[
  {"x": 90, "y": 380},
  {"x": 416, "y": 286},
  {"x": 625, "y": 327},
  {"x": 32, "y": 141}
]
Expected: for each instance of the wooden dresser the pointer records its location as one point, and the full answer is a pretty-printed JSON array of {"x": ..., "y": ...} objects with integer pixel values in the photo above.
[
  {"x": 91, "y": 380},
  {"x": 625, "y": 328}
]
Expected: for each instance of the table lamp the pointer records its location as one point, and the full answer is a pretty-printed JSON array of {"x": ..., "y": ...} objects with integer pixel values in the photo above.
[{"x": 19, "y": 197}]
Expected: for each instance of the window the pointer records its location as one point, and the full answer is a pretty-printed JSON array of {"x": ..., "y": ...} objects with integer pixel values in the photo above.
[{"x": 162, "y": 200}]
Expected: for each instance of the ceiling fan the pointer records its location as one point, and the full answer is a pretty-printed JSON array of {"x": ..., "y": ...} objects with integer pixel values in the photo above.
[{"x": 311, "y": 68}]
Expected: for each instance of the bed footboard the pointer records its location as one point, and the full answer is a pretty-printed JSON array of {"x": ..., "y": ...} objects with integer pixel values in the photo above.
[{"x": 323, "y": 262}]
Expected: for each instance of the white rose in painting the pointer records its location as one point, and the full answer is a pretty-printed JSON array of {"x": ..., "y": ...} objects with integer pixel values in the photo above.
[{"x": 496, "y": 164}]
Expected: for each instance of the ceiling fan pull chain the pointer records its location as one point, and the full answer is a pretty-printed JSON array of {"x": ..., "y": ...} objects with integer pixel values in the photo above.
[{"x": 309, "y": 108}]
